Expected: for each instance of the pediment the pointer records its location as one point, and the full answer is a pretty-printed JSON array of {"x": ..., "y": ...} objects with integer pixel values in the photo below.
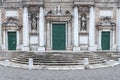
[
  {"x": 58, "y": 11},
  {"x": 11, "y": 22},
  {"x": 105, "y": 23}
]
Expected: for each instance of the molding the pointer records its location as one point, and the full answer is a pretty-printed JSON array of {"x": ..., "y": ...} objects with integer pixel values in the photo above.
[{"x": 52, "y": 18}]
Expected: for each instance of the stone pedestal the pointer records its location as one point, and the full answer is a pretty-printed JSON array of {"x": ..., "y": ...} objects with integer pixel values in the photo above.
[
  {"x": 76, "y": 48},
  {"x": 24, "y": 48},
  {"x": 41, "y": 48},
  {"x": 33, "y": 41},
  {"x": 30, "y": 64}
]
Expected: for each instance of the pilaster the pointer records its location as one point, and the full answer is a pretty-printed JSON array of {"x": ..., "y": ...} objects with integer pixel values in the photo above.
[
  {"x": 41, "y": 30},
  {"x": 75, "y": 30},
  {"x": 92, "y": 46},
  {"x": 0, "y": 30},
  {"x": 118, "y": 28},
  {"x": 25, "y": 30}
]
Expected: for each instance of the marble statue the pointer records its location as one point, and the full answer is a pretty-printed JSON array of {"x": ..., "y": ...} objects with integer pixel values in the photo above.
[
  {"x": 58, "y": 10},
  {"x": 34, "y": 23},
  {"x": 83, "y": 23}
]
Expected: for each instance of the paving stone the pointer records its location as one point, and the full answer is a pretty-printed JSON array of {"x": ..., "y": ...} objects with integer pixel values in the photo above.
[{"x": 111, "y": 73}]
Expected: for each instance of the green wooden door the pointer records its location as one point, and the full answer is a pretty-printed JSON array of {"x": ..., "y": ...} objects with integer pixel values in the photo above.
[
  {"x": 105, "y": 41},
  {"x": 11, "y": 40},
  {"x": 58, "y": 37}
]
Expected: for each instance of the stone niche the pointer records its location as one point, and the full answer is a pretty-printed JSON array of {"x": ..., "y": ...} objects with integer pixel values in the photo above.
[
  {"x": 83, "y": 26},
  {"x": 33, "y": 23}
]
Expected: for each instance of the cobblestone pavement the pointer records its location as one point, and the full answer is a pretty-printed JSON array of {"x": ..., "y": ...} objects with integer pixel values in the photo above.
[{"x": 111, "y": 73}]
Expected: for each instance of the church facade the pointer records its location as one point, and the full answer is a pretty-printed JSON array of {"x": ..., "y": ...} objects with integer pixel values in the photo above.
[{"x": 60, "y": 25}]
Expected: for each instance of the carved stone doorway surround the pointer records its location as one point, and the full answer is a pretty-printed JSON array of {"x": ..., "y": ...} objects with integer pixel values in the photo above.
[
  {"x": 106, "y": 25},
  {"x": 66, "y": 19},
  {"x": 11, "y": 25}
]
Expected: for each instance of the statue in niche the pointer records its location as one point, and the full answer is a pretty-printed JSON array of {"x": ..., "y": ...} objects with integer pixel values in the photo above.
[
  {"x": 83, "y": 22},
  {"x": 33, "y": 23},
  {"x": 58, "y": 10}
]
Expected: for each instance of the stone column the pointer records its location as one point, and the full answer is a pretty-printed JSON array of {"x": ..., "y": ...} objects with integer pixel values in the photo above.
[
  {"x": 48, "y": 36},
  {"x": 41, "y": 30},
  {"x": 0, "y": 30},
  {"x": 92, "y": 46},
  {"x": 69, "y": 35},
  {"x": 99, "y": 41},
  {"x": 118, "y": 29},
  {"x": 75, "y": 31},
  {"x": 25, "y": 30},
  {"x": 18, "y": 40},
  {"x": 113, "y": 40},
  {"x": 4, "y": 39}
]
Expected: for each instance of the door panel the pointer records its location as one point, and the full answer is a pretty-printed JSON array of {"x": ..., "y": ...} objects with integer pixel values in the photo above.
[
  {"x": 11, "y": 40},
  {"x": 58, "y": 36},
  {"x": 105, "y": 41}
]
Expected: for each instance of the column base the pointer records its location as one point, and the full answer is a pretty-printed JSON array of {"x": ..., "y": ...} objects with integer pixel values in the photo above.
[
  {"x": 92, "y": 48},
  {"x": 48, "y": 48},
  {"x": 114, "y": 47},
  {"x": 2, "y": 47},
  {"x": 41, "y": 48},
  {"x": 24, "y": 48},
  {"x": 76, "y": 48},
  {"x": 118, "y": 48}
]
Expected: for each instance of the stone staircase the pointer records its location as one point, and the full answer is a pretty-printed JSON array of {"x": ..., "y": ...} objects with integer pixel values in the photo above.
[
  {"x": 58, "y": 58},
  {"x": 115, "y": 56}
]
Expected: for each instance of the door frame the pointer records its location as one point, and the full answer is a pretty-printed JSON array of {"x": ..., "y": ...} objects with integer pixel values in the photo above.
[{"x": 66, "y": 27}]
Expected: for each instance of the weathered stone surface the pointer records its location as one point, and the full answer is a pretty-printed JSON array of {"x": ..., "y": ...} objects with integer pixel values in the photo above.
[{"x": 62, "y": 11}]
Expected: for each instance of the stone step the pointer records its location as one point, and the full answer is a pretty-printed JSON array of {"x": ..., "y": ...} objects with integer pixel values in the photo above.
[
  {"x": 96, "y": 59},
  {"x": 59, "y": 59}
]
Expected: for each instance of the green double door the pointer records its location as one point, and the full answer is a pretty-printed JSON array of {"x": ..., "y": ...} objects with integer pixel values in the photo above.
[
  {"x": 12, "y": 40},
  {"x": 105, "y": 42},
  {"x": 58, "y": 37}
]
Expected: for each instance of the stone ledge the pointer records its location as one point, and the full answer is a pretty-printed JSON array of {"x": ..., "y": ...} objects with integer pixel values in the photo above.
[{"x": 70, "y": 67}]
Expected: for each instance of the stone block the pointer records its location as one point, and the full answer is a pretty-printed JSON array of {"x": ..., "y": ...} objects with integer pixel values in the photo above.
[
  {"x": 76, "y": 48},
  {"x": 25, "y": 48},
  {"x": 41, "y": 48},
  {"x": 30, "y": 64}
]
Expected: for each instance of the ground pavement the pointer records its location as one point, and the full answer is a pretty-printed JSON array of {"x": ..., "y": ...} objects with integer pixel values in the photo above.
[{"x": 110, "y": 73}]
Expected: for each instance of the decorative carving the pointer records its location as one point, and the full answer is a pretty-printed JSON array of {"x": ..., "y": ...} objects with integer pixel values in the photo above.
[
  {"x": 58, "y": 10},
  {"x": 50, "y": 12},
  {"x": 67, "y": 12},
  {"x": 11, "y": 22},
  {"x": 33, "y": 8},
  {"x": 106, "y": 21},
  {"x": 84, "y": 9},
  {"x": 83, "y": 22}
]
